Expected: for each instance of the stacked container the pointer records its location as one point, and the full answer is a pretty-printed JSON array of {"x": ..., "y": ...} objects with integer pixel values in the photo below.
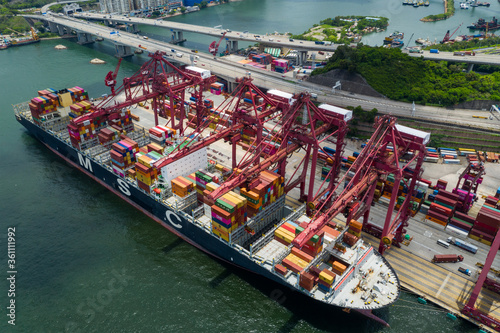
[
  {"x": 216, "y": 88},
  {"x": 146, "y": 173},
  {"x": 486, "y": 225},
  {"x": 78, "y": 94},
  {"x": 123, "y": 156},
  {"x": 326, "y": 280},
  {"x": 84, "y": 129},
  {"x": 285, "y": 234},
  {"x": 79, "y": 109},
  {"x": 202, "y": 178},
  {"x": 43, "y": 105},
  {"x": 161, "y": 134},
  {"x": 182, "y": 186},
  {"x": 121, "y": 121},
  {"x": 108, "y": 135},
  {"x": 270, "y": 187},
  {"x": 281, "y": 65},
  {"x": 228, "y": 213},
  {"x": 461, "y": 222}
]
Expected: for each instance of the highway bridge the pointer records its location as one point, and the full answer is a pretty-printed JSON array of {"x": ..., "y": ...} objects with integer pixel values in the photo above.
[
  {"x": 126, "y": 42},
  {"x": 280, "y": 41}
]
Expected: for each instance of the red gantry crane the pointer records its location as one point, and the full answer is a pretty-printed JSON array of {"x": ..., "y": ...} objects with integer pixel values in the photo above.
[
  {"x": 110, "y": 80},
  {"x": 159, "y": 81},
  {"x": 214, "y": 46},
  {"x": 379, "y": 158}
]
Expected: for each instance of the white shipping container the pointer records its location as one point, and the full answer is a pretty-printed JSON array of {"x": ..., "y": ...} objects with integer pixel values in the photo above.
[
  {"x": 336, "y": 112},
  {"x": 204, "y": 73}
]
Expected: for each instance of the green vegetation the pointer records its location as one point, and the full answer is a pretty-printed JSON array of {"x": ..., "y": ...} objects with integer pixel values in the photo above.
[
  {"x": 449, "y": 12},
  {"x": 363, "y": 22},
  {"x": 360, "y": 115},
  {"x": 342, "y": 29},
  {"x": 17, "y": 23},
  {"x": 467, "y": 45},
  {"x": 404, "y": 78}
]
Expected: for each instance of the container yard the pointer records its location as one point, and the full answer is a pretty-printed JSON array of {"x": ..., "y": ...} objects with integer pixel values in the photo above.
[{"x": 267, "y": 182}]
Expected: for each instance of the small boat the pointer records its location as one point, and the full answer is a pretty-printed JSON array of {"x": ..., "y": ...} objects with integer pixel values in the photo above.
[
  {"x": 406, "y": 2},
  {"x": 486, "y": 4},
  {"x": 97, "y": 61},
  {"x": 393, "y": 36},
  {"x": 99, "y": 39},
  {"x": 464, "y": 5},
  {"x": 138, "y": 51},
  {"x": 60, "y": 47},
  {"x": 421, "y": 3},
  {"x": 426, "y": 4}
]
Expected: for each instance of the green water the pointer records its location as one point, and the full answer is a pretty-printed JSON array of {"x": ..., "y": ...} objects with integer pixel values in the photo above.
[{"x": 88, "y": 262}]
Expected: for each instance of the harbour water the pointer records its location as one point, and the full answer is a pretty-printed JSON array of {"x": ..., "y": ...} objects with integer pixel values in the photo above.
[{"x": 88, "y": 262}]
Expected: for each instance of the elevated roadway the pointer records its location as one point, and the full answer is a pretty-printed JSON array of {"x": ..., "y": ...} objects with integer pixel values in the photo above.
[
  {"x": 243, "y": 36},
  {"x": 479, "y": 58},
  {"x": 229, "y": 70}
]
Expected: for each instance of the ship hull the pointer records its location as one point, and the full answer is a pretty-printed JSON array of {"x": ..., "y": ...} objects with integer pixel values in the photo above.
[
  {"x": 25, "y": 43},
  {"x": 177, "y": 223}
]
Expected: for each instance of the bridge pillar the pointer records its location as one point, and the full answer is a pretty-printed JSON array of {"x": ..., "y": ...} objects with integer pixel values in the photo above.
[
  {"x": 60, "y": 29},
  {"x": 123, "y": 51},
  {"x": 470, "y": 68},
  {"x": 84, "y": 38},
  {"x": 177, "y": 37},
  {"x": 132, "y": 28},
  {"x": 52, "y": 27},
  {"x": 234, "y": 47},
  {"x": 302, "y": 58}
]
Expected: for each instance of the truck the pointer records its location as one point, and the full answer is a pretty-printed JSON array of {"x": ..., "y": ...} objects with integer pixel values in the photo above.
[
  {"x": 465, "y": 271},
  {"x": 438, "y": 258},
  {"x": 466, "y": 246},
  {"x": 319, "y": 42},
  {"x": 434, "y": 51},
  {"x": 464, "y": 53}
]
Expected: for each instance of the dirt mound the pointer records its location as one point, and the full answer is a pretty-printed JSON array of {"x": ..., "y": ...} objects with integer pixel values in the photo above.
[{"x": 351, "y": 82}]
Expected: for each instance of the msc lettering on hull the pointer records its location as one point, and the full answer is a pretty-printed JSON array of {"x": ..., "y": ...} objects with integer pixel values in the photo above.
[
  {"x": 85, "y": 162},
  {"x": 123, "y": 186}
]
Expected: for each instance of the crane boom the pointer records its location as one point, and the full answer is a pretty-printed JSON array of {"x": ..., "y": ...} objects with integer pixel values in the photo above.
[{"x": 214, "y": 48}]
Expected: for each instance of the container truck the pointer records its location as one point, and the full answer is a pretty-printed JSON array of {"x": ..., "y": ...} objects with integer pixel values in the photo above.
[
  {"x": 465, "y": 271},
  {"x": 466, "y": 246},
  {"x": 434, "y": 51},
  {"x": 438, "y": 258}
]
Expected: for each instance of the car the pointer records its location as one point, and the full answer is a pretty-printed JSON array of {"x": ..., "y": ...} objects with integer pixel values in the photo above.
[
  {"x": 278, "y": 40},
  {"x": 301, "y": 42},
  {"x": 145, "y": 37}
]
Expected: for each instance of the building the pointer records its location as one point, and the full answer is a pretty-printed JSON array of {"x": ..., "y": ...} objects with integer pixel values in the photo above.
[
  {"x": 71, "y": 8},
  {"x": 127, "y": 6}
]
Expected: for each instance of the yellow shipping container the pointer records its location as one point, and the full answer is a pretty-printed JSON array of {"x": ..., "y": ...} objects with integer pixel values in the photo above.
[
  {"x": 283, "y": 236},
  {"x": 296, "y": 260},
  {"x": 326, "y": 278},
  {"x": 284, "y": 231}
]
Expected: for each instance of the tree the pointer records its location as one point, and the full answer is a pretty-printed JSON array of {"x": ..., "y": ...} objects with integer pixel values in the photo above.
[
  {"x": 183, "y": 9},
  {"x": 203, "y": 4}
]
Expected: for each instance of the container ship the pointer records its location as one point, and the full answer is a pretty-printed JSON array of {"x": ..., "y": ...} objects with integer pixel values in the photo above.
[
  {"x": 20, "y": 40},
  {"x": 237, "y": 214},
  {"x": 481, "y": 24}
]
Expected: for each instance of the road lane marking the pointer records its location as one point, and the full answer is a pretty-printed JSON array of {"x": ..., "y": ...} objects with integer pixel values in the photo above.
[{"x": 443, "y": 284}]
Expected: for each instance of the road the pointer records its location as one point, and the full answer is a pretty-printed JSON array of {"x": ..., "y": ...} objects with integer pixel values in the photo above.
[
  {"x": 272, "y": 80},
  {"x": 244, "y": 36}
]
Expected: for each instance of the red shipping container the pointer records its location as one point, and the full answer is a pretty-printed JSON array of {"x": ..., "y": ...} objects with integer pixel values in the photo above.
[
  {"x": 485, "y": 228},
  {"x": 280, "y": 269},
  {"x": 449, "y": 195},
  {"x": 460, "y": 224},
  {"x": 464, "y": 217},
  {"x": 438, "y": 216},
  {"x": 291, "y": 266},
  {"x": 306, "y": 281},
  {"x": 482, "y": 235},
  {"x": 302, "y": 254},
  {"x": 445, "y": 200},
  {"x": 440, "y": 209}
]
